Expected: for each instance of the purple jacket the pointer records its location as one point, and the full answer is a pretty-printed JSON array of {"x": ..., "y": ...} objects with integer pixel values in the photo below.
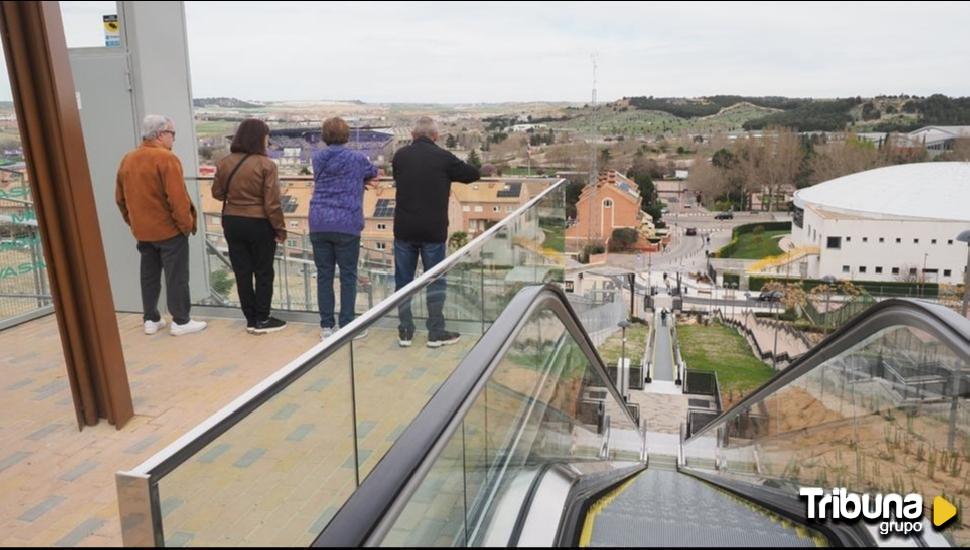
[{"x": 338, "y": 190}]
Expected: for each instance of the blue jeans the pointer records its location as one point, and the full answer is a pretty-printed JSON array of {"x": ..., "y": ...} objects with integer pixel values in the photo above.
[
  {"x": 329, "y": 250},
  {"x": 405, "y": 264}
]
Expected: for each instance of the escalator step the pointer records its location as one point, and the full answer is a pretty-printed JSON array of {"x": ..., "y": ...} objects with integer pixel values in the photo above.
[{"x": 666, "y": 508}]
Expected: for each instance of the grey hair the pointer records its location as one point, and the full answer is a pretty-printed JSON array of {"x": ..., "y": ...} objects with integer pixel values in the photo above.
[
  {"x": 153, "y": 125},
  {"x": 425, "y": 127}
]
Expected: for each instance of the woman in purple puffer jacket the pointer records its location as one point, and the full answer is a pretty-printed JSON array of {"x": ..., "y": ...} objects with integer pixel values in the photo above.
[{"x": 336, "y": 220}]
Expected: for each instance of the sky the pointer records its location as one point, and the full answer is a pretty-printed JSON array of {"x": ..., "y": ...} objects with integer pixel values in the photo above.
[{"x": 419, "y": 52}]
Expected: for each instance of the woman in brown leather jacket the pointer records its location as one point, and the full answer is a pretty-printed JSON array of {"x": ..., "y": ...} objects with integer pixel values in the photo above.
[{"x": 247, "y": 182}]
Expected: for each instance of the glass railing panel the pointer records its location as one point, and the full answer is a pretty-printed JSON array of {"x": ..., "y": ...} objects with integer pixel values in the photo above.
[
  {"x": 890, "y": 414},
  {"x": 24, "y": 287},
  {"x": 394, "y": 383},
  {"x": 277, "y": 476},
  {"x": 435, "y": 515},
  {"x": 377, "y": 388},
  {"x": 543, "y": 405}
]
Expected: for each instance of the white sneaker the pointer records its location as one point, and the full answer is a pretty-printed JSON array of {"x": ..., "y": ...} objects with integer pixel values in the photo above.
[
  {"x": 325, "y": 333},
  {"x": 187, "y": 328},
  {"x": 151, "y": 327}
]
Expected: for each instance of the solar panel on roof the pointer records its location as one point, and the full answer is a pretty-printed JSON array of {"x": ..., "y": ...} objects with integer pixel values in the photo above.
[
  {"x": 512, "y": 189},
  {"x": 384, "y": 208}
]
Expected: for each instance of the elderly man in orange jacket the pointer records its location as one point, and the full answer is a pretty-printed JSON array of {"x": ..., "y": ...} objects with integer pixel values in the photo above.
[{"x": 151, "y": 195}]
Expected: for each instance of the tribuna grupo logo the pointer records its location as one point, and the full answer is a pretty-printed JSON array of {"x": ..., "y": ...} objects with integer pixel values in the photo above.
[{"x": 896, "y": 514}]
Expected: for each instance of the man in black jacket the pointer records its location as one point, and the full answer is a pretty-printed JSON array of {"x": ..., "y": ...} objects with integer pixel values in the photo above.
[{"x": 423, "y": 173}]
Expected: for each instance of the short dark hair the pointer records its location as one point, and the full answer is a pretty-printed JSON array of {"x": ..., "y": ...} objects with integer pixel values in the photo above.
[
  {"x": 250, "y": 137},
  {"x": 335, "y": 131}
]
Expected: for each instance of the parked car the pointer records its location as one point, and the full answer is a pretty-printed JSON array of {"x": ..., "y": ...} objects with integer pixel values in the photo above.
[
  {"x": 724, "y": 216},
  {"x": 771, "y": 296},
  {"x": 691, "y": 231}
]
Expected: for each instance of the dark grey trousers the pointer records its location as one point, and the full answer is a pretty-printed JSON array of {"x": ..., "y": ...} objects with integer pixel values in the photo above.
[{"x": 172, "y": 256}]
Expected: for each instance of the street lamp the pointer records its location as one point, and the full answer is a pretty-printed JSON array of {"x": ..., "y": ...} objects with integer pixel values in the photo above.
[{"x": 964, "y": 237}]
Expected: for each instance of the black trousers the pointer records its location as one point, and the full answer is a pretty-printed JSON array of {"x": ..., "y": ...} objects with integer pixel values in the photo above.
[
  {"x": 252, "y": 246},
  {"x": 172, "y": 256}
]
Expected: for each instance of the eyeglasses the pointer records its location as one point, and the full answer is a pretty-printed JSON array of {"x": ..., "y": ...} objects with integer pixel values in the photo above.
[{"x": 168, "y": 132}]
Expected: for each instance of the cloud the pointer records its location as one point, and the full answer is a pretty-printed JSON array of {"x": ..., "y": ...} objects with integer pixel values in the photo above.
[{"x": 525, "y": 51}]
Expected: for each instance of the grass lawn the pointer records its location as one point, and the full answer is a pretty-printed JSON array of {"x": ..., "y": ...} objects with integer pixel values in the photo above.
[
  {"x": 754, "y": 246},
  {"x": 555, "y": 239},
  {"x": 636, "y": 340},
  {"x": 721, "y": 349}
]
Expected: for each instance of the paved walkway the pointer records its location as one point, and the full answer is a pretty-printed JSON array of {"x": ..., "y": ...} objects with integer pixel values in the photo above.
[{"x": 57, "y": 484}]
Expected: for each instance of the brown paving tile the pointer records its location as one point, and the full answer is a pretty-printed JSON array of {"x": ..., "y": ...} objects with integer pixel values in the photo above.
[{"x": 174, "y": 397}]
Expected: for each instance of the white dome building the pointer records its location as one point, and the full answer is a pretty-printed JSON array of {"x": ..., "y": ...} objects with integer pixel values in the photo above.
[{"x": 897, "y": 223}]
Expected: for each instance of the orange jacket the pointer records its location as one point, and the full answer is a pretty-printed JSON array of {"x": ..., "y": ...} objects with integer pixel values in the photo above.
[{"x": 151, "y": 194}]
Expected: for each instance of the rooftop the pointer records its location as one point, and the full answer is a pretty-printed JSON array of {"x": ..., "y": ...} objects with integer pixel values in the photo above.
[{"x": 926, "y": 191}]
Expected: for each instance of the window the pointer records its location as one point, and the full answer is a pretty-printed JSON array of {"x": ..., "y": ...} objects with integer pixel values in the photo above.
[
  {"x": 510, "y": 208},
  {"x": 466, "y": 208},
  {"x": 478, "y": 208},
  {"x": 381, "y": 246},
  {"x": 294, "y": 224},
  {"x": 495, "y": 209},
  {"x": 898, "y": 240},
  {"x": 882, "y": 239},
  {"x": 865, "y": 239},
  {"x": 834, "y": 242},
  {"x": 949, "y": 241},
  {"x": 915, "y": 241},
  {"x": 291, "y": 242},
  {"x": 912, "y": 271},
  {"x": 607, "y": 203},
  {"x": 878, "y": 269},
  {"x": 845, "y": 269},
  {"x": 848, "y": 239},
  {"x": 382, "y": 226},
  {"x": 933, "y": 241},
  {"x": 947, "y": 272},
  {"x": 862, "y": 269},
  {"x": 895, "y": 271}
]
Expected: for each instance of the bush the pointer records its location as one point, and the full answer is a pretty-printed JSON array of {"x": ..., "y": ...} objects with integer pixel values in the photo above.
[
  {"x": 623, "y": 238},
  {"x": 875, "y": 288},
  {"x": 221, "y": 282}
]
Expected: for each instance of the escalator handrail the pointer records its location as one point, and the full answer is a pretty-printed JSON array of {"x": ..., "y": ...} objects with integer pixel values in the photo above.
[
  {"x": 400, "y": 471},
  {"x": 936, "y": 319}
]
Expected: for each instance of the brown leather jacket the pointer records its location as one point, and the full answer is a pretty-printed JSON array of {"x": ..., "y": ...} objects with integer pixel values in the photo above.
[
  {"x": 150, "y": 192},
  {"x": 254, "y": 191}
]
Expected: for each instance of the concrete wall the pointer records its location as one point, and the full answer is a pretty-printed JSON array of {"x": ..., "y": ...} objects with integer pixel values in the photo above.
[{"x": 862, "y": 248}]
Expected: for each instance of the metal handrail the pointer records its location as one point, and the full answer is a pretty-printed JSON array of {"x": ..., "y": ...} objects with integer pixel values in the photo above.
[{"x": 181, "y": 449}]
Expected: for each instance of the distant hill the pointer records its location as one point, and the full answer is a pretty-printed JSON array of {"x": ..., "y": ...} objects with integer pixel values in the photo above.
[
  {"x": 881, "y": 113},
  {"x": 225, "y": 102}
]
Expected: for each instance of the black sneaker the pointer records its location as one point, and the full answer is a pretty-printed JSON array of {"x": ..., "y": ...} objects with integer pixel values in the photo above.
[
  {"x": 404, "y": 337},
  {"x": 443, "y": 338},
  {"x": 271, "y": 324}
]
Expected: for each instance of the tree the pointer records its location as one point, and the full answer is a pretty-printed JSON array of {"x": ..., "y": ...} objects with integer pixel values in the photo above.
[
  {"x": 451, "y": 142},
  {"x": 305, "y": 171},
  {"x": 782, "y": 158},
  {"x": 474, "y": 160},
  {"x": 457, "y": 240}
]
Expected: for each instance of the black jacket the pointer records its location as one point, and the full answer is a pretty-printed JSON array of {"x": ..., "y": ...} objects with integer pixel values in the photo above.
[{"x": 423, "y": 173}]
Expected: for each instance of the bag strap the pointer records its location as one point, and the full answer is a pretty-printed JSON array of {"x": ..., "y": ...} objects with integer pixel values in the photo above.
[{"x": 231, "y": 174}]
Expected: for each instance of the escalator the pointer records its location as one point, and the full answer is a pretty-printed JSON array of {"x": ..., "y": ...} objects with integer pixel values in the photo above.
[{"x": 528, "y": 443}]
